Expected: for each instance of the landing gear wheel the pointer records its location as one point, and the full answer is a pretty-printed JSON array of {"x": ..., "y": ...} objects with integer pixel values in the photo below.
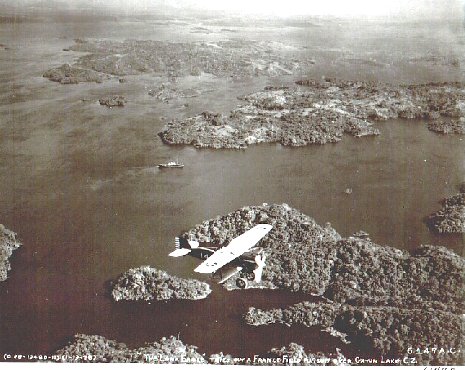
[{"x": 241, "y": 283}]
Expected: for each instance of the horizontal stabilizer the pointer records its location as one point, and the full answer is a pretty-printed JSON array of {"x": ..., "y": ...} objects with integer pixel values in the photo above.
[
  {"x": 180, "y": 252},
  {"x": 203, "y": 269}
]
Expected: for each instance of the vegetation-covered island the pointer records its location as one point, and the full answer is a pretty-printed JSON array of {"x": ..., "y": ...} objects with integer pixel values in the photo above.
[
  {"x": 69, "y": 75},
  {"x": 148, "y": 283},
  {"x": 228, "y": 58},
  {"x": 113, "y": 101},
  {"x": 8, "y": 244},
  {"x": 94, "y": 348},
  {"x": 320, "y": 112},
  {"x": 451, "y": 218},
  {"x": 383, "y": 299}
]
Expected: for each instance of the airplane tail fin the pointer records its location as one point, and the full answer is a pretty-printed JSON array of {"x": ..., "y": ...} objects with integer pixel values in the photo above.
[
  {"x": 260, "y": 262},
  {"x": 179, "y": 251}
]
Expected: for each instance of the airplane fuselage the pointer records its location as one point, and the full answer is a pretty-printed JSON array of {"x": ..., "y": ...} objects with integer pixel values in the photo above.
[{"x": 240, "y": 252}]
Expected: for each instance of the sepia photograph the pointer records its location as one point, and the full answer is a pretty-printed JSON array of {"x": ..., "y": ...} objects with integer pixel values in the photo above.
[{"x": 244, "y": 182}]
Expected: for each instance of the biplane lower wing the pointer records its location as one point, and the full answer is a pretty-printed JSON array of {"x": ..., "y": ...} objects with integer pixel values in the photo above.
[{"x": 236, "y": 248}]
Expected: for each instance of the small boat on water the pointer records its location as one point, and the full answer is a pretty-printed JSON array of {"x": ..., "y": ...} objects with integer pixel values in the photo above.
[{"x": 171, "y": 164}]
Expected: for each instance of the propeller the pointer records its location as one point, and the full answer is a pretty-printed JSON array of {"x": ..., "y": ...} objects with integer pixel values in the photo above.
[{"x": 260, "y": 262}]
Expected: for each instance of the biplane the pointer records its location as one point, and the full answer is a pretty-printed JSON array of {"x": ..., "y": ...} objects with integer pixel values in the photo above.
[{"x": 241, "y": 253}]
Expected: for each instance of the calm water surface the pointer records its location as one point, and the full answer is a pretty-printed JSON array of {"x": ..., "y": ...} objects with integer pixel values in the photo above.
[{"x": 80, "y": 186}]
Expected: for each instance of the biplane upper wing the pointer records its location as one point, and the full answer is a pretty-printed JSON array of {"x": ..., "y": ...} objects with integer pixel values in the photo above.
[{"x": 234, "y": 249}]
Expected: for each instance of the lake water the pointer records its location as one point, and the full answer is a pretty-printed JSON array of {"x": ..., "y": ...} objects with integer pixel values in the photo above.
[{"x": 80, "y": 186}]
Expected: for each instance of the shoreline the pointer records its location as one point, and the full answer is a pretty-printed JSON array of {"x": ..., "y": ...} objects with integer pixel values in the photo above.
[
  {"x": 451, "y": 218},
  {"x": 97, "y": 349},
  {"x": 91, "y": 203},
  {"x": 148, "y": 283},
  {"x": 320, "y": 112},
  {"x": 364, "y": 284},
  {"x": 376, "y": 298},
  {"x": 8, "y": 244}
]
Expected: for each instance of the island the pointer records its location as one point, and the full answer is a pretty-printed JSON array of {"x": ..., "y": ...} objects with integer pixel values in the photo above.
[
  {"x": 320, "y": 112},
  {"x": 166, "y": 92},
  {"x": 448, "y": 126},
  {"x": 387, "y": 331},
  {"x": 67, "y": 74},
  {"x": 451, "y": 218},
  {"x": 295, "y": 354},
  {"x": 8, "y": 244},
  {"x": 148, "y": 283},
  {"x": 378, "y": 297},
  {"x": 113, "y": 101},
  {"x": 226, "y": 58},
  {"x": 95, "y": 348}
]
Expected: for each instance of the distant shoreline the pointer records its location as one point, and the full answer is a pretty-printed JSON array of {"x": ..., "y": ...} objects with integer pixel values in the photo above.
[{"x": 319, "y": 113}]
